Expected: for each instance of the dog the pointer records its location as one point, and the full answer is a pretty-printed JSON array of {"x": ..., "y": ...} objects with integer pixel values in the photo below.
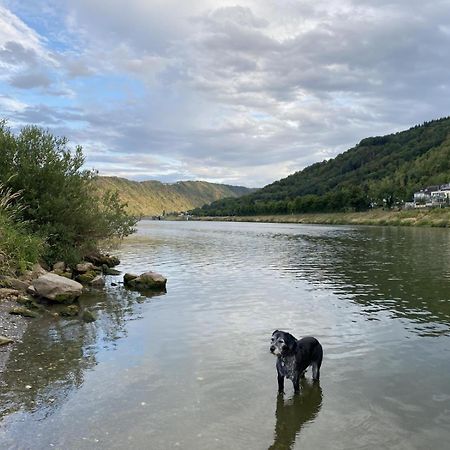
[{"x": 294, "y": 357}]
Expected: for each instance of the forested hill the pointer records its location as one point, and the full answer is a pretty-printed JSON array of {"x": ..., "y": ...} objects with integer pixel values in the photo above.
[
  {"x": 379, "y": 170},
  {"x": 150, "y": 198}
]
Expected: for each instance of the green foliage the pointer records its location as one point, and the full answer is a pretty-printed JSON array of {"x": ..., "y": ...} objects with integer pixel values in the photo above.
[
  {"x": 59, "y": 196},
  {"x": 19, "y": 248},
  {"x": 382, "y": 170}
]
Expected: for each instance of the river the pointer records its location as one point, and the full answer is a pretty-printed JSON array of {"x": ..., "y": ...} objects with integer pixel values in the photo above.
[{"x": 191, "y": 368}]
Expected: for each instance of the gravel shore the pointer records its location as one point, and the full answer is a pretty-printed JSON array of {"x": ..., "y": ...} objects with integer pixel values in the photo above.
[{"x": 12, "y": 327}]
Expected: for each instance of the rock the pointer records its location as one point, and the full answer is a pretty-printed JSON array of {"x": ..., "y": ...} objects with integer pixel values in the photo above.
[
  {"x": 28, "y": 302},
  {"x": 14, "y": 283},
  {"x": 86, "y": 277},
  {"x": 37, "y": 271},
  {"x": 59, "y": 266},
  {"x": 5, "y": 340},
  {"x": 128, "y": 277},
  {"x": 99, "y": 259},
  {"x": 70, "y": 311},
  {"x": 56, "y": 288},
  {"x": 22, "y": 311},
  {"x": 63, "y": 274},
  {"x": 109, "y": 271},
  {"x": 85, "y": 267},
  {"x": 98, "y": 282},
  {"x": 88, "y": 316},
  {"x": 32, "y": 291},
  {"x": 7, "y": 293},
  {"x": 147, "y": 280}
]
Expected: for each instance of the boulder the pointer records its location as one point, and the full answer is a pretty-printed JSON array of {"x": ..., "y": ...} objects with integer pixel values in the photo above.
[
  {"x": 147, "y": 280},
  {"x": 56, "y": 288},
  {"x": 128, "y": 277},
  {"x": 85, "y": 267},
  {"x": 86, "y": 277},
  {"x": 98, "y": 282}
]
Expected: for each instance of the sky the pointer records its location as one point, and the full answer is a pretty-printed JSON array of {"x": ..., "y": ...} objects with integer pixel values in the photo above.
[{"x": 241, "y": 92}]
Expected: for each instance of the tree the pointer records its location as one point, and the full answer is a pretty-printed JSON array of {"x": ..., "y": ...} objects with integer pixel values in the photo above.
[{"x": 61, "y": 203}]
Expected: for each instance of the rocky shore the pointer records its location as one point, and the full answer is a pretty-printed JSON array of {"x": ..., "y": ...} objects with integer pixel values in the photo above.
[{"x": 55, "y": 293}]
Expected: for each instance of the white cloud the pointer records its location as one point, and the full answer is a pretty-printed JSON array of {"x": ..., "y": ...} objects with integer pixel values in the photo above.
[{"x": 236, "y": 91}]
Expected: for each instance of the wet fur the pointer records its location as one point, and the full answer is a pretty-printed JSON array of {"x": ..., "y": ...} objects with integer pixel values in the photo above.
[{"x": 294, "y": 357}]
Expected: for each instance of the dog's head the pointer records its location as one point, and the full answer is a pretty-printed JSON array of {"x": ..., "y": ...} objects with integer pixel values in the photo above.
[{"x": 282, "y": 343}]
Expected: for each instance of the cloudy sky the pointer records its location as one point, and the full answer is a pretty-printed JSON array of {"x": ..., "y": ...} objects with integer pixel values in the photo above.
[{"x": 241, "y": 91}]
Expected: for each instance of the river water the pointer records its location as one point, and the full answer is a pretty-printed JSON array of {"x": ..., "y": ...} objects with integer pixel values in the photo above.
[{"x": 191, "y": 368}]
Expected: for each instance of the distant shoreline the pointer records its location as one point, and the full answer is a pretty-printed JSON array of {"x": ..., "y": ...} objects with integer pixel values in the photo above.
[{"x": 415, "y": 217}]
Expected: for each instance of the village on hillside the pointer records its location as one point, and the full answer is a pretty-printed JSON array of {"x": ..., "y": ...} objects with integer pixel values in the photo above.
[{"x": 431, "y": 196}]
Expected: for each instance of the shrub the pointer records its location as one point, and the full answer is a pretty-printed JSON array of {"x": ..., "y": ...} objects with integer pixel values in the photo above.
[{"x": 60, "y": 199}]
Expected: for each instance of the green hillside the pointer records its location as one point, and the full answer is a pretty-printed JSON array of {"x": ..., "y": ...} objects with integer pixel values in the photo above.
[
  {"x": 379, "y": 170},
  {"x": 150, "y": 198}
]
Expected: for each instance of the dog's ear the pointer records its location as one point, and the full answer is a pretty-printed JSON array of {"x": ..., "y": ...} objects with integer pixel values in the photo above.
[
  {"x": 291, "y": 342},
  {"x": 276, "y": 331}
]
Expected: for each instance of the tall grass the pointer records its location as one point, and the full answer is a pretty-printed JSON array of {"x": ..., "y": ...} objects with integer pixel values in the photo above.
[{"x": 19, "y": 248}]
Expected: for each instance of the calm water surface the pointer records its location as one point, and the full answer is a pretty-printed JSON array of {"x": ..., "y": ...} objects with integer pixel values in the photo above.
[{"x": 191, "y": 368}]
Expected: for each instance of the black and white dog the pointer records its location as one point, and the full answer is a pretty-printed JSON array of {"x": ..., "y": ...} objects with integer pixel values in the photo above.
[{"x": 295, "y": 356}]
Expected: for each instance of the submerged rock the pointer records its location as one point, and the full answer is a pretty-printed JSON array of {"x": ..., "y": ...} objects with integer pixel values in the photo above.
[
  {"x": 88, "y": 316},
  {"x": 56, "y": 288},
  {"x": 28, "y": 302},
  {"x": 22, "y": 311},
  {"x": 147, "y": 280},
  {"x": 108, "y": 271},
  {"x": 70, "y": 311}
]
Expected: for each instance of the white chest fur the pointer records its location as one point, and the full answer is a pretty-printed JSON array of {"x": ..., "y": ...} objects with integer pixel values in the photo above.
[{"x": 288, "y": 367}]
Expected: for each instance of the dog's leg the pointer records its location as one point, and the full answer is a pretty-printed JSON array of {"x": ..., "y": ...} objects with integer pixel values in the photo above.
[
  {"x": 317, "y": 362},
  {"x": 295, "y": 382},
  {"x": 280, "y": 383},
  {"x": 316, "y": 371}
]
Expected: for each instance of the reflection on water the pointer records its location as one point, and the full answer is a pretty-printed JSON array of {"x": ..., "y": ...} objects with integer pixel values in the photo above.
[
  {"x": 54, "y": 353},
  {"x": 293, "y": 413},
  {"x": 405, "y": 272},
  {"x": 190, "y": 368}
]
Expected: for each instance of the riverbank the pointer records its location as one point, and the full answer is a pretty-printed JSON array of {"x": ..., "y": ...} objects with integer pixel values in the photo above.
[{"x": 414, "y": 217}]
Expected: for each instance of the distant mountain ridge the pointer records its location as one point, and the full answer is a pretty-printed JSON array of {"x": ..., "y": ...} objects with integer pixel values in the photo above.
[
  {"x": 381, "y": 170},
  {"x": 151, "y": 198}
]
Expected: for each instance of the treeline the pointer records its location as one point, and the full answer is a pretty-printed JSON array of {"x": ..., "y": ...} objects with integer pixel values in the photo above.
[
  {"x": 379, "y": 171},
  {"x": 49, "y": 207}
]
